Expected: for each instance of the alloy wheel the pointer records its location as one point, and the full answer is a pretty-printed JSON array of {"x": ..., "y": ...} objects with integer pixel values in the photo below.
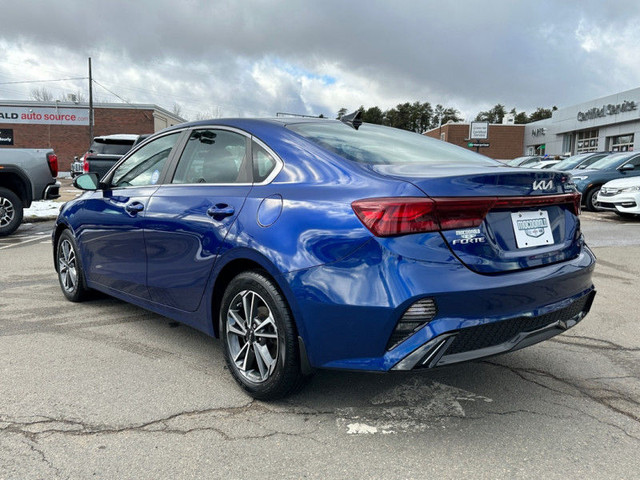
[
  {"x": 252, "y": 336},
  {"x": 7, "y": 212},
  {"x": 67, "y": 267}
]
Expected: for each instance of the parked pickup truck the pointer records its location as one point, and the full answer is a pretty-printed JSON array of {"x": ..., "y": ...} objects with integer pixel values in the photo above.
[
  {"x": 26, "y": 175},
  {"x": 104, "y": 152}
]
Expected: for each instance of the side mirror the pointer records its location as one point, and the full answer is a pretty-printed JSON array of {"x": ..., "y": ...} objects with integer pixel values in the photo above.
[
  {"x": 627, "y": 166},
  {"x": 86, "y": 181}
]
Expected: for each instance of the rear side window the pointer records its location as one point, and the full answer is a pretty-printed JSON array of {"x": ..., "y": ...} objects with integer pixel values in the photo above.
[
  {"x": 213, "y": 156},
  {"x": 263, "y": 163}
]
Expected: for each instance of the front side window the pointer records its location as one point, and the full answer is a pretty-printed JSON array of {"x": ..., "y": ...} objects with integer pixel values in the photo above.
[
  {"x": 213, "y": 156},
  {"x": 145, "y": 165}
]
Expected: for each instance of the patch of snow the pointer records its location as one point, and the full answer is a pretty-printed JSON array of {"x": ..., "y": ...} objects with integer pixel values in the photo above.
[{"x": 42, "y": 209}]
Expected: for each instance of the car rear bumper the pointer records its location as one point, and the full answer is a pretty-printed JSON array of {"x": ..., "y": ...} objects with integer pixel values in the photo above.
[
  {"x": 349, "y": 309},
  {"x": 495, "y": 338},
  {"x": 52, "y": 191}
]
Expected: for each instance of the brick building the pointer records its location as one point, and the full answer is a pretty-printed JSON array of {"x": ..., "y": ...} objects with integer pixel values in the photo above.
[
  {"x": 505, "y": 141},
  {"x": 64, "y": 126}
]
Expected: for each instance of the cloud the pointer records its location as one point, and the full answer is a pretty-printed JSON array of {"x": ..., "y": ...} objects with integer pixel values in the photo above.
[{"x": 259, "y": 57}]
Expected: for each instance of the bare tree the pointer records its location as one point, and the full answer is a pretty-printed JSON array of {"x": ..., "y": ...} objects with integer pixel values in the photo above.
[
  {"x": 78, "y": 97},
  {"x": 41, "y": 94},
  {"x": 177, "y": 109}
]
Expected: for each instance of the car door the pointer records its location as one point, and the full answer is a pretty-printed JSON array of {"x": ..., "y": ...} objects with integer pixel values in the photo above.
[
  {"x": 189, "y": 216},
  {"x": 111, "y": 232}
]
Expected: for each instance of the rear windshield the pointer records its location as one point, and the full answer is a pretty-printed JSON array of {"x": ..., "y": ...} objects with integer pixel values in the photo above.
[
  {"x": 377, "y": 145},
  {"x": 111, "y": 147}
]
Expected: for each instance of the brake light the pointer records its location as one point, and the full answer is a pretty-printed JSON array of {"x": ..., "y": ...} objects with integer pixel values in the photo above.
[
  {"x": 386, "y": 217},
  {"x": 85, "y": 163},
  {"x": 52, "y": 159}
]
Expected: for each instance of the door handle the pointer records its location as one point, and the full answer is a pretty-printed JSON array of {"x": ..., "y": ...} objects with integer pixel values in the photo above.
[
  {"x": 220, "y": 211},
  {"x": 134, "y": 208}
]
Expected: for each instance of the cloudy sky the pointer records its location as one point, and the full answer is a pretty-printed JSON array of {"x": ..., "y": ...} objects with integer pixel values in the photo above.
[{"x": 259, "y": 57}]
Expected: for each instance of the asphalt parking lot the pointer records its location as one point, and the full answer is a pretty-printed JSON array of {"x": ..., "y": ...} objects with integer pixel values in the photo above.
[{"x": 107, "y": 390}]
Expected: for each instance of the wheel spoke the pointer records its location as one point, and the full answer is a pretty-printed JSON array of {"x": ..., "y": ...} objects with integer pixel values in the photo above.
[
  {"x": 267, "y": 322},
  {"x": 264, "y": 369},
  {"x": 72, "y": 277},
  {"x": 245, "y": 346},
  {"x": 237, "y": 321},
  {"x": 245, "y": 362},
  {"x": 262, "y": 351}
]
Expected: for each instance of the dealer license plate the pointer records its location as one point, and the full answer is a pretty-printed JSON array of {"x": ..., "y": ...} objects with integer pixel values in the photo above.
[{"x": 532, "y": 229}]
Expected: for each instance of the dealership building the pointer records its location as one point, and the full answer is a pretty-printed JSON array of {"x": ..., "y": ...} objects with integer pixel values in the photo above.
[
  {"x": 64, "y": 126},
  {"x": 605, "y": 124}
]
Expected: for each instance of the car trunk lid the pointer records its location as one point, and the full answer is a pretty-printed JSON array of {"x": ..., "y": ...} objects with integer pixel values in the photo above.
[{"x": 530, "y": 216}]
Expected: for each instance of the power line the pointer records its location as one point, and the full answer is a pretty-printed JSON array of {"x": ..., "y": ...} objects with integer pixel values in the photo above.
[
  {"x": 112, "y": 93},
  {"x": 43, "y": 81}
]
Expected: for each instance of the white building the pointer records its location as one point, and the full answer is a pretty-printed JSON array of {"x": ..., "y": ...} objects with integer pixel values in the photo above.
[{"x": 606, "y": 124}]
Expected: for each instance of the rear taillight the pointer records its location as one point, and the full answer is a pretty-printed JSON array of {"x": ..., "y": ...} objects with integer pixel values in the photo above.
[
  {"x": 85, "y": 163},
  {"x": 386, "y": 217},
  {"x": 52, "y": 159}
]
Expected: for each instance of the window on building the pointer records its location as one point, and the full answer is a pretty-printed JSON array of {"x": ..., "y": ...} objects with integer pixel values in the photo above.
[
  {"x": 621, "y": 143},
  {"x": 567, "y": 143},
  {"x": 587, "y": 141}
]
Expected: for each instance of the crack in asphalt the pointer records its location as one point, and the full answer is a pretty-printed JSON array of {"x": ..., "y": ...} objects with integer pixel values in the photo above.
[
  {"x": 43, "y": 457},
  {"x": 584, "y": 391},
  {"x": 600, "y": 344},
  {"x": 160, "y": 425}
]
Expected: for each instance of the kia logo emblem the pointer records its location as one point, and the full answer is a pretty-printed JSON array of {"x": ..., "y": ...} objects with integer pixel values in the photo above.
[{"x": 543, "y": 185}]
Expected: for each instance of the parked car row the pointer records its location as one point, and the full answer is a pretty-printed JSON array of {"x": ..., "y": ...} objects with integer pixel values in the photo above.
[
  {"x": 591, "y": 172},
  {"x": 589, "y": 181}
]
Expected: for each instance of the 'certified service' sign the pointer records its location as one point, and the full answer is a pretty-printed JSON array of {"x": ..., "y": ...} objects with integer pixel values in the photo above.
[
  {"x": 45, "y": 115},
  {"x": 479, "y": 130}
]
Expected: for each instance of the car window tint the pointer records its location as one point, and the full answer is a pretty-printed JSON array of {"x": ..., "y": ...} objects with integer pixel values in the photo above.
[
  {"x": 635, "y": 162},
  {"x": 263, "y": 163},
  {"x": 378, "y": 145},
  {"x": 145, "y": 165},
  {"x": 213, "y": 156}
]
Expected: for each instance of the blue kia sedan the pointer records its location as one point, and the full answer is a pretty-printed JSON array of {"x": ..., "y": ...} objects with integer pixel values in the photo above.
[{"x": 312, "y": 243}]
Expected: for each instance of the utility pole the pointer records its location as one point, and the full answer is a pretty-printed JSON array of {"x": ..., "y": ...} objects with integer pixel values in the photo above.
[{"x": 90, "y": 104}]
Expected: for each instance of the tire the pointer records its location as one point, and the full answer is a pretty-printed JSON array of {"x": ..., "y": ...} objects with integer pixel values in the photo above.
[
  {"x": 590, "y": 198},
  {"x": 69, "y": 266},
  {"x": 263, "y": 357},
  {"x": 11, "y": 212}
]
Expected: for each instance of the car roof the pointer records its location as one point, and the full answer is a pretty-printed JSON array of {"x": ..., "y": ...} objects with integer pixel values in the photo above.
[
  {"x": 247, "y": 122},
  {"x": 118, "y": 136}
]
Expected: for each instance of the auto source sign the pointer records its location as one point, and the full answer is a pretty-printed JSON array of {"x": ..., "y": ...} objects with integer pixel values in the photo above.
[{"x": 45, "y": 115}]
